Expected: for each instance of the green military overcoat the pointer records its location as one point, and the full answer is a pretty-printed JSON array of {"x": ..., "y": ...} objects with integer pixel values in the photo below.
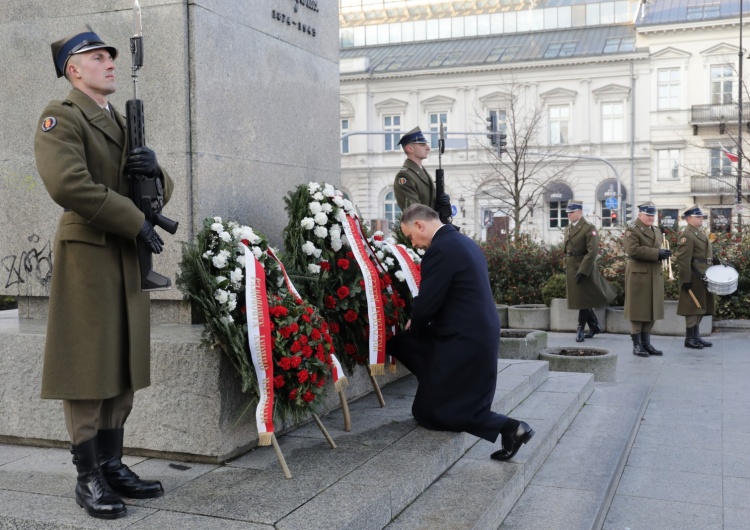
[
  {"x": 98, "y": 333},
  {"x": 693, "y": 256},
  {"x": 414, "y": 185},
  {"x": 581, "y": 246},
  {"x": 644, "y": 278}
]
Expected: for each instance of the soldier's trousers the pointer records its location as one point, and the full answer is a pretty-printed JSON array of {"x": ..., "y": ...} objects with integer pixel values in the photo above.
[
  {"x": 640, "y": 327},
  {"x": 83, "y": 417}
]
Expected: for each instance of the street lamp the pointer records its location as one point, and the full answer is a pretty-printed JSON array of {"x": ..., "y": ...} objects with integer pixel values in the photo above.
[{"x": 461, "y": 203}]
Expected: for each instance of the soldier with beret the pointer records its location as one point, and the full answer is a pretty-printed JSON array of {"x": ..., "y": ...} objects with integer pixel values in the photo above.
[
  {"x": 413, "y": 185},
  {"x": 693, "y": 256},
  {"x": 644, "y": 278},
  {"x": 586, "y": 287},
  {"x": 97, "y": 351}
]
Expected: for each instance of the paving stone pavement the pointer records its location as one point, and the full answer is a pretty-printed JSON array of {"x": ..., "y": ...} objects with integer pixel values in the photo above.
[{"x": 688, "y": 468}]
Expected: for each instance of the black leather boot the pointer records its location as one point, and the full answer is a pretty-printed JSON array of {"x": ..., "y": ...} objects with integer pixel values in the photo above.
[
  {"x": 118, "y": 475},
  {"x": 646, "y": 342},
  {"x": 697, "y": 334},
  {"x": 691, "y": 341},
  {"x": 594, "y": 327},
  {"x": 582, "y": 315},
  {"x": 92, "y": 492},
  {"x": 637, "y": 346}
]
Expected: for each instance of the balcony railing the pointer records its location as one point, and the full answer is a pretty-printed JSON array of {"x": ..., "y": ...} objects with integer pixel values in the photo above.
[
  {"x": 722, "y": 113},
  {"x": 721, "y": 185}
]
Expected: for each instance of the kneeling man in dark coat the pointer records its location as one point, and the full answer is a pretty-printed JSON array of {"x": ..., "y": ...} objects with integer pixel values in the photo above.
[{"x": 451, "y": 342}]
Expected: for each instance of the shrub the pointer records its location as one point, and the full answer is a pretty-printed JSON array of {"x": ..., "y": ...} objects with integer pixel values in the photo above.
[{"x": 555, "y": 287}]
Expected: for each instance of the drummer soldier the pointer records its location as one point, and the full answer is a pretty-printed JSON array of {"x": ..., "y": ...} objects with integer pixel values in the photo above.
[
  {"x": 644, "y": 278},
  {"x": 693, "y": 256}
]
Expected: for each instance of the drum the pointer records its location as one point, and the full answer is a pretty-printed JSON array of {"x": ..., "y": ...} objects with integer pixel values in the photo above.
[{"x": 721, "y": 279}]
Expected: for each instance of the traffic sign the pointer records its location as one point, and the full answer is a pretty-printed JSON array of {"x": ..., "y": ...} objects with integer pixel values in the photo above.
[{"x": 611, "y": 202}]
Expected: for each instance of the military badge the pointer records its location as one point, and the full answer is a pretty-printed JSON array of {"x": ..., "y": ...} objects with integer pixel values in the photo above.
[
  {"x": 48, "y": 123},
  {"x": 683, "y": 240},
  {"x": 593, "y": 232},
  {"x": 402, "y": 180}
]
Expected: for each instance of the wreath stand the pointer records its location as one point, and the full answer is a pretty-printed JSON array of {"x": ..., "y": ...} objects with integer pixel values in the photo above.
[
  {"x": 280, "y": 455},
  {"x": 376, "y": 388},
  {"x": 345, "y": 410}
]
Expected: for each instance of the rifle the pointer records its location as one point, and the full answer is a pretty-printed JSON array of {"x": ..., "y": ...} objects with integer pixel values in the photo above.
[
  {"x": 444, "y": 211},
  {"x": 146, "y": 192}
]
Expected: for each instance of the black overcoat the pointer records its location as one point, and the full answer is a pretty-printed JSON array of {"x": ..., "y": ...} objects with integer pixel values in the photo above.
[{"x": 453, "y": 341}]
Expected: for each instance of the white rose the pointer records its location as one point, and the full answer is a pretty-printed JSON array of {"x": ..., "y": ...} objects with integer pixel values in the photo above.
[
  {"x": 207, "y": 254},
  {"x": 312, "y": 187},
  {"x": 308, "y": 223},
  {"x": 317, "y": 252},
  {"x": 348, "y": 205},
  {"x": 236, "y": 276},
  {"x": 241, "y": 260},
  {"x": 217, "y": 227},
  {"x": 338, "y": 200},
  {"x": 257, "y": 252},
  {"x": 335, "y": 230},
  {"x": 217, "y": 219},
  {"x": 308, "y": 248},
  {"x": 315, "y": 207},
  {"x": 328, "y": 190},
  {"x": 318, "y": 196},
  {"x": 327, "y": 208},
  {"x": 341, "y": 216},
  {"x": 321, "y": 218},
  {"x": 315, "y": 269},
  {"x": 380, "y": 255},
  {"x": 389, "y": 262},
  {"x": 220, "y": 260},
  {"x": 221, "y": 295},
  {"x": 320, "y": 231},
  {"x": 225, "y": 236},
  {"x": 336, "y": 244},
  {"x": 400, "y": 276},
  {"x": 227, "y": 319}
]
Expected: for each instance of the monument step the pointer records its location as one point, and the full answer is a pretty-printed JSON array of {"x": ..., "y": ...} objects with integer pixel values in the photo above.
[{"x": 477, "y": 492}]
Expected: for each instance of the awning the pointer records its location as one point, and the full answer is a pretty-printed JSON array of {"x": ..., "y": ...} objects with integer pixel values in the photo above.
[
  {"x": 557, "y": 191},
  {"x": 608, "y": 188}
]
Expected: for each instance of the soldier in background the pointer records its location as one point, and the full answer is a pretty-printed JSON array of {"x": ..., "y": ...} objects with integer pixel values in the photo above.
[
  {"x": 693, "y": 256},
  {"x": 413, "y": 185},
  {"x": 586, "y": 287},
  {"x": 644, "y": 279}
]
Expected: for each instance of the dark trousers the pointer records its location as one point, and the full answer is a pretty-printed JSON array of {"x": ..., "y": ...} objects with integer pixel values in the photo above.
[{"x": 83, "y": 417}]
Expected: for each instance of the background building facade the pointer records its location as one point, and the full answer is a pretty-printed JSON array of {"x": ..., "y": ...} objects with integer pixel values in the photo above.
[{"x": 612, "y": 103}]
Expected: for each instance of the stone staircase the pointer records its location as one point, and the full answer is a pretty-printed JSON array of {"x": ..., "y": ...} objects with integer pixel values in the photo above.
[{"x": 387, "y": 472}]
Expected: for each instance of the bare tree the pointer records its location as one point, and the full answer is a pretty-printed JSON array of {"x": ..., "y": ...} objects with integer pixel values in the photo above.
[{"x": 516, "y": 180}]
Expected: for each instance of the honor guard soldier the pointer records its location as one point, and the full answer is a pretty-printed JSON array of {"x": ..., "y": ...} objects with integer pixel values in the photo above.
[
  {"x": 97, "y": 352},
  {"x": 644, "y": 278},
  {"x": 693, "y": 256},
  {"x": 586, "y": 287},
  {"x": 413, "y": 185}
]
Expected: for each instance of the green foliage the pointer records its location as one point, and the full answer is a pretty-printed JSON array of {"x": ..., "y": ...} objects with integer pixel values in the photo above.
[
  {"x": 555, "y": 287},
  {"x": 8, "y": 302},
  {"x": 734, "y": 249},
  {"x": 520, "y": 268}
]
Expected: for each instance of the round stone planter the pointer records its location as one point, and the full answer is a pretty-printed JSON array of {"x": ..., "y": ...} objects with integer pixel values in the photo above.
[
  {"x": 597, "y": 361},
  {"x": 528, "y": 316},
  {"x": 502, "y": 312},
  {"x": 521, "y": 344}
]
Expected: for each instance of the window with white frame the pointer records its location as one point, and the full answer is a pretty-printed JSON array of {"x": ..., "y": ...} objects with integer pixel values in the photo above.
[
  {"x": 721, "y": 166},
  {"x": 613, "y": 121},
  {"x": 723, "y": 79},
  {"x": 436, "y": 118},
  {"x": 392, "y": 123},
  {"x": 558, "y": 217},
  {"x": 391, "y": 211},
  {"x": 344, "y": 141},
  {"x": 668, "y": 88},
  {"x": 559, "y": 122},
  {"x": 668, "y": 164}
]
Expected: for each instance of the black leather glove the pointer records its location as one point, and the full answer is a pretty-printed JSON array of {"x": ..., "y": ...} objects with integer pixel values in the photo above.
[
  {"x": 687, "y": 286},
  {"x": 152, "y": 239},
  {"x": 579, "y": 277},
  {"x": 142, "y": 161},
  {"x": 444, "y": 200},
  {"x": 664, "y": 253}
]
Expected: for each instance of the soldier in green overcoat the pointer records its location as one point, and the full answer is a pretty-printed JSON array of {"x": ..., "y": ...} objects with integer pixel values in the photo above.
[
  {"x": 97, "y": 351},
  {"x": 693, "y": 256},
  {"x": 644, "y": 278},
  {"x": 413, "y": 185},
  {"x": 586, "y": 287}
]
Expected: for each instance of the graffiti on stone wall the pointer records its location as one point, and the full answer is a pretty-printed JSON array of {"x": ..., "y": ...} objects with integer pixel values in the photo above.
[{"x": 32, "y": 265}]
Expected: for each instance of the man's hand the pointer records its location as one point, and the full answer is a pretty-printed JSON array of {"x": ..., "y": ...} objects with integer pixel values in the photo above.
[
  {"x": 579, "y": 277},
  {"x": 664, "y": 253},
  {"x": 687, "y": 286},
  {"x": 142, "y": 161},
  {"x": 444, "y": 200},
  {"x": 149, "y": 235}
]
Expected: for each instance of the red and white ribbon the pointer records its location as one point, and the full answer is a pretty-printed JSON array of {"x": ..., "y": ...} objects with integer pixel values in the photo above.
[
  {"x": 261, "y": 345},
  {"x": 375, "y": 312},
  {"x": 408, "y": 267},
  {"x": 339, "y": 379}
]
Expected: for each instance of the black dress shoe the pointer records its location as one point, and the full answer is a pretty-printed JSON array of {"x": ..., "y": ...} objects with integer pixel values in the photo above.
[{"x": 513, "y": 443}]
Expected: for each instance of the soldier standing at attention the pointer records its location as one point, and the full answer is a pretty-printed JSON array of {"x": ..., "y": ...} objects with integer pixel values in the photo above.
[
  {"x": 585, "y": 286},
  {"x": 644, "y": 279},
  {"x": 413, "y": 185},
  {"x": 97, "y": 352},
  {"x": 693, "y": 256}
]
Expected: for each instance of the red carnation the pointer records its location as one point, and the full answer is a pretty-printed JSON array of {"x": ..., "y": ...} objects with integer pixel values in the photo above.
[
  {"x": 350, "y": 316},
  {"x": 302, "y": 376},
  {"x": 334, "y": 327},
  {"x": 325, "y": 266},
  {"x": 293, "y": 394},
  {"x": 294, "y": 327},
  {"x": 278, "y": 381},
  {"x": 343, "y": 264},
  {"x": 308, "y": 396},
  {"x": 342, "y": 292},
  {"x": 307, "y": 351},
  {"x": 286, "y": 331},
  {"x": 303, "y": 339},
  {"x": 320, "y": 383},
  {"x": 296, "y": 346},
  {"x": 313, "y": 377},
  {"x": 296, "y": 361},
  {"x": 387, "y": 279},
  {"x": 319, "y": 356},
  {"x": 278, "y": 311},
  {"x": 310, "y": 310},
  {"x": 315, "y": 335},
  {"x": 306, "y": 318},
  {"x": 350, "y": 254},
  {"x": 362, "y": 284},
  {"x": 330, "y": 302},
  {"x": 285, "y": 363}
]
